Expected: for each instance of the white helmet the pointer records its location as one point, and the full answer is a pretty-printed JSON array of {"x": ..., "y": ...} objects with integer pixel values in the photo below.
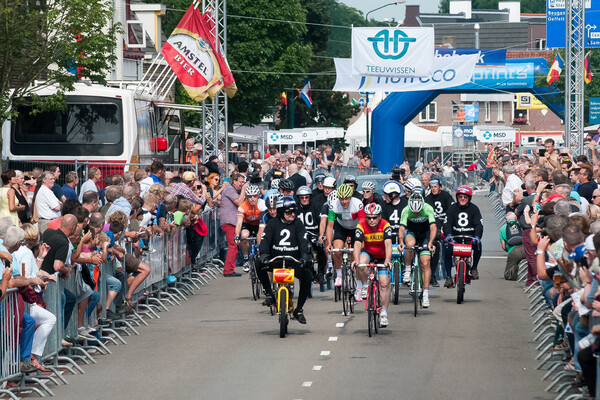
[
  {"x": 252, "y": 190},
  {"x": 392, "y": 187},
  {"x": 412, "y": 183},
  {"x": 275, "y": 184},
  {"x": 331, "y": 199},
  {"x": 415, "y": 203},
  {"x": 329, "y": 182},
  {"x": 369, "y": 185}
]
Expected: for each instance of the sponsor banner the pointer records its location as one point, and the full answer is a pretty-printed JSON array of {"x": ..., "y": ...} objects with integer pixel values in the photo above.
[
  {"x": 301, "y": 135},
  {"x": 397, "y": 52},
  {"x": 511, "y": 76},
  {"x": 485, "y": 56},
  {"x": 472, "y": 112},
  {"x": 529, "y": 101},
  {"x": 594, "y": 110},
  {"x": 464, "y": 131},
  {"x": 447, "y": 72},
  {"x": 495, "y": 133}
]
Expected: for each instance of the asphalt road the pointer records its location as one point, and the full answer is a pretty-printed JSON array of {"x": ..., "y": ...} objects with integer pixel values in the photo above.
[{"x": 222, "y": 345}]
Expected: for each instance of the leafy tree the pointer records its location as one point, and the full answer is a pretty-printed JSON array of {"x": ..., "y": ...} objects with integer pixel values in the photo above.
[{"x": 52, "y": 40}]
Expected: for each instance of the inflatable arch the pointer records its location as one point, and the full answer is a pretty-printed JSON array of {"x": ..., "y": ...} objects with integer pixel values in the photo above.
[{"x": 399, "y": 108}]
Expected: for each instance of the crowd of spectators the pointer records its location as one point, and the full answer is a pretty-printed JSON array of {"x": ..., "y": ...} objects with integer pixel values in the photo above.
[{"x": 552, "y": 204}]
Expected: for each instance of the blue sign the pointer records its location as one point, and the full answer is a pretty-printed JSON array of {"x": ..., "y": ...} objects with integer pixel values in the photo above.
[
  {"x": 464, "y": 131},
  {"x": 472, "y": 112},
  {"x": 486, "y": 56},
  {"x": 594, "y": 110},
  {"x": 555, "y": 24}
]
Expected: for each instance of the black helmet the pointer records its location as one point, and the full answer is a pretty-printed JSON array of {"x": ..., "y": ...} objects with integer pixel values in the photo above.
[
  {"x": 285, "y": 203},
  {"x": 286, "y": 184},
  {"x": 319, "y": 178}
]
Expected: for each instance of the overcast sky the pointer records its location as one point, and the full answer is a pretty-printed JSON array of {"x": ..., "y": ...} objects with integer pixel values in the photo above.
[{"x": 395, "y": 11}]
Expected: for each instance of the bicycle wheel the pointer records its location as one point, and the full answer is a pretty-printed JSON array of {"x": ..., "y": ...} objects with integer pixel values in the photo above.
[
  {"x": 377, "y": 307},
  {"x": 460, "y": 281},
  {"x": 415, "y": 286},
  {"x": 351, "y": 290},
  {"x": 337, "y": 293},
  {"x": 370, "y": 308},
  {"x": 396, "y": 279},
  {"x": 283, "y": 312},
  {"x": 253, "y": 280},
  {"x": 344, "y": 291}
]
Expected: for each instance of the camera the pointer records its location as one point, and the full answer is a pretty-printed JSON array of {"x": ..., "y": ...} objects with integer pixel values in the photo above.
[{"x": 396, "y": 173}]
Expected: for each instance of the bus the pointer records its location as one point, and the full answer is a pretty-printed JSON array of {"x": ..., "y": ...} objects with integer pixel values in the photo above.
[{"x": 106, "y": 125}]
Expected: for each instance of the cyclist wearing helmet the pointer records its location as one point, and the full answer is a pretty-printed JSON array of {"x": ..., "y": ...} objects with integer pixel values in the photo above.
[
  {"x": 273, "y": 189},
  {"x": 374, "y": 237},
  {"x": 248, "y": 216},
  {"x": 285, "y": 235},
  {"x": 440, "y": 200},
  {"x": 394, "y": 204},
  {"x": 318, "y": 189},
  {"x": 267, "y": 215},
  {"x": 464, "y": 218},
  {"x": 309, "y": 213},
  {"x": 286, "y": 187},
  {"x": 342, "y": 220},
  {"x": 320, "y": 202},
  {"x": 417, "y": 227},
  {"x": 369, "y": 195},
  {"x": 351, "y": 180}
]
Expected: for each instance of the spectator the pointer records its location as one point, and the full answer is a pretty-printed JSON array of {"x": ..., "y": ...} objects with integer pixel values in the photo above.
[
  {"x": 587, "y": 186},
  {"x": 91, "y": 200},
  {"x": 295, "y": 176},
  {"x": 113, "y": 192},
  {"x": 21, "y": 189},
  {"x": 9, "y": 204},
  {"x": 231, "y": 198},
  {"x": 191, "y": 155},
  {"x": 514, "y": 248},
  {"x": 47, "y": 205},
  {"x": 94, "y": 175},
  {"x": 68, "y": 189},
  {"x": 184, "y": 189},
  {"x": 55, "y": 169},
  {"x": 157, "y": 169},
  {"x": 513, "y": 182},
  {"x": 122, "y": 203}
]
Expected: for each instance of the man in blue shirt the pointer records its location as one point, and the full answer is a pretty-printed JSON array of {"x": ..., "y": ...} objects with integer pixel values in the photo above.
[{"x": 68, "y": 188}]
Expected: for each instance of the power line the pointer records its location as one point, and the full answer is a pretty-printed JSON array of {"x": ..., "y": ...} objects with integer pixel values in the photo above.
[{"x": 328, "y": 73}]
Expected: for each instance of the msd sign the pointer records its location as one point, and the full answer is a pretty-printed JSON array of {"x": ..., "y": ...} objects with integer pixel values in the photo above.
[{"x": 495, "y": 134}]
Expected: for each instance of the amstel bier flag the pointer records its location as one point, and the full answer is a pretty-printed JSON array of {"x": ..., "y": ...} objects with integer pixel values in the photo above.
[{"x": 190, "y": 52}]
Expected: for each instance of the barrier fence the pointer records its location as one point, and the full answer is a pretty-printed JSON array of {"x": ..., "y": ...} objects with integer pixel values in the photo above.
[{"x": 172, "y": 278}]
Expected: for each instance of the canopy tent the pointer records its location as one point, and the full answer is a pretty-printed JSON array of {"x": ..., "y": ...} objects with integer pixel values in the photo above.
[{"x": 415, "y": 136}]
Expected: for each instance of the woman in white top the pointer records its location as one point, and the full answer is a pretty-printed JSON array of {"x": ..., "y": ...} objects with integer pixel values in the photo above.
[{"x": 27, "y": 261}]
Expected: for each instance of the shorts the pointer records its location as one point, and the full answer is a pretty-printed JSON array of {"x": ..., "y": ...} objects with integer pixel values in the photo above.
[
  {"x": 380, "y": 271},
  {"x": 131, "y": 263},
  {"x": 421, "y": 240},
  {"x": 341, "y": 233},
  {"x": 252, "y": 229}
]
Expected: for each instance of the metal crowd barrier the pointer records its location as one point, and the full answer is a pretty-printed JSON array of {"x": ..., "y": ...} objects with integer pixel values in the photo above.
[{"x": 167, "y": 256}]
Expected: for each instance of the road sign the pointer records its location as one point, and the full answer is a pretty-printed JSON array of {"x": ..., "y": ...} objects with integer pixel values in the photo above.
[{"x": 555, "y": 24}]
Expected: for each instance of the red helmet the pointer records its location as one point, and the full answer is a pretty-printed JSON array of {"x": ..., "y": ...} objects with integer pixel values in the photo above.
[
  {"x": 464, "y": 189},
  {"x": 373, "y": 209}
]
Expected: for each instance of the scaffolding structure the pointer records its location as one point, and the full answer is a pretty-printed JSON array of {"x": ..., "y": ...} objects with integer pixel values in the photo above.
[{"x": 574, "y": 74}]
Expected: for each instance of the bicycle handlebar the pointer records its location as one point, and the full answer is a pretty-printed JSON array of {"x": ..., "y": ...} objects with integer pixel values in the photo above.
[
  {"x": 290, "y": 258},
  {"x": 471, "y": 238},
  {"x": 372, "y": 265}
]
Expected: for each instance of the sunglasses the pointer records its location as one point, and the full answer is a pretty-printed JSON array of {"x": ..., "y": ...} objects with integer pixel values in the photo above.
[
  {"x": 290, "y": 211},
  {"x": 367, "y": 191},
  {"x": 372, "y": 218},
  {"x": 303, "y": 197},
  {"x": 593, "y": 197}
]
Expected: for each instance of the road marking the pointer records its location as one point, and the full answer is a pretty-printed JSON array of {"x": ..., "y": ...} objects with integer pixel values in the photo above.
[
  {"x": 495, "y": 257},
  {"x": 317, "y": 367},
  {"x": 333, "y": 338},
  {"x": 325, "y": 352},
  {"x": 339, "y": 325},
  {"x": 307, "y": 384}
]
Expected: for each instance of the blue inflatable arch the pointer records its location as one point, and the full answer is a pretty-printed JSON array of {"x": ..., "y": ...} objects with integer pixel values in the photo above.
[{"x": 398, "y": 109}]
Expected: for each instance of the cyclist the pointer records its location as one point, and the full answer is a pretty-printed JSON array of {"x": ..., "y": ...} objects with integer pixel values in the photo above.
[
  {"x": 248, "y": 216},
  {"x": 374, "y": 237},
  {"x": 392, "y": 209},
  {"x": 329, "y": 184},
  {"x": 267, "y": 215},
  {"x": 321, "y": 202},
  {"x": 285, "y": 235},
  {"x": 417, "y": 227},
  {"x": 369, "y": 195},
  {"x": 274, "y": 188},
  {"x": 342, "y": 220},
  {"x": 464, "y": 218},
  {"x": 319, "y": 178},
  {"x": 440, "y": 200},
  {"x": 351, "y": 180},
  {"x": 309, "y": 215},
  {"x": 286, "y": 187}
]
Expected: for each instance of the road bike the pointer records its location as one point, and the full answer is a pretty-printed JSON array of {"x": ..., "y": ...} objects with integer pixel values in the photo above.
[
  {"x": 345, "y": 293},
  {"x": 373, "y": 304},
  {"x": 396, "y": 281},
  {"x": 316, "y": 247},
  {"x": 416, "y": 280},
  {"x": 283, "y": 282},
  {"x": 462, "y": 258},
  {"x": 256, "y": 286}
]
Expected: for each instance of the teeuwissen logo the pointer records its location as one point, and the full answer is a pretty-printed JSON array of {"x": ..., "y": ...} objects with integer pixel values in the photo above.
[{"x": 400, "y": 42}]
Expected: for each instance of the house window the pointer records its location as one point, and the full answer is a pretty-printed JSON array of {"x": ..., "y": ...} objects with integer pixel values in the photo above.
[
  {"x": 520, "y": 115},
  {"x": 500, "y": 112},
  {"x": 540, "y": 44},
  {"x": 488, "y": 111},
  {"x": 429, "y": 113}
]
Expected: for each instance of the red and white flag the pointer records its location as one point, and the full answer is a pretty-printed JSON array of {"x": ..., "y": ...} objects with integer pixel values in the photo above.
[{"x": 227, "y": 80}]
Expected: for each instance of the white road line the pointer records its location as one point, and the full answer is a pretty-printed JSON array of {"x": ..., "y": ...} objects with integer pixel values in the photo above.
[
  {"x": 339, "y": 325},
  {"x": 317, "y": 367},
  {"x": 325, "y": 353},
  {"x": 495, "y": 257},
  {"x": 333, "y": 338},
  {"x": 307, "y": 384}
]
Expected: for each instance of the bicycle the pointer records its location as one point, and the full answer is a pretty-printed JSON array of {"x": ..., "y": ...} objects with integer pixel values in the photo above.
[
  {"x": 373, "y": 305},
  {"x": 464, "y": 253},
  {"x": 345, "y": 293},
  {"x": 316, "y": 246},
  {"x": 283, "y": 281},
  {"x": 396, "y": 273},
  {"x": 416, "y": 281},
  {"x": 256, "y": 286}
]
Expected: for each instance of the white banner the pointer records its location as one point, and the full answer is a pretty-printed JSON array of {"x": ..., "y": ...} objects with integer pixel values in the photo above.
[
  {"x": 447, "y": 72},
  {"x": 494, "y": 133},
  {"x": 405, "y": 52},
  {"x": 301, "y": 135}
]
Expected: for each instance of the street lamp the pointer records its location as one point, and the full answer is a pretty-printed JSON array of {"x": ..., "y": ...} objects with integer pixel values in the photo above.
[{"x": 398, "y": 2}]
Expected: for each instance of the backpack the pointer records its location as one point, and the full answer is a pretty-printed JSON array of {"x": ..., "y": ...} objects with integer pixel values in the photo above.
[{"x": 514, "y": 233}]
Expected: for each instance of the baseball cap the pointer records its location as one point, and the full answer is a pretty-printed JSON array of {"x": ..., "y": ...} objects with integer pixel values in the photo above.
[
  {"x": 234, "y": 144},
  {"x": 189, "y": 176}
]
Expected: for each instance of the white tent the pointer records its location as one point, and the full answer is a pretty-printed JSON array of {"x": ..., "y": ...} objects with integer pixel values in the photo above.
[{"x": 415, "y": 136}]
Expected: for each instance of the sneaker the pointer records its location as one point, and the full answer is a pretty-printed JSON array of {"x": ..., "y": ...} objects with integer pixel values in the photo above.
[
  {"x": 433, "y": 282},
  {"x": 299, "y": 316},
  {"x": 383, "y": 320},
  {"x": 91, "y": 330},
  {"x": 474, "y": 274},
  {"x": 83, "y": 335},
  {"x": 110, "y": 314},
  {"x": 27, "y": 368},
  {"x": 246, "y": 267},
  {"x": 358, "y": 295},
  {"x": 338, "y": 281},
  {"x": 449, "y": 283},
  {"x": 425, "y": 300},
  {"x": 406, "y": 277},
  {"x": 363, "y": 292},
  {"x": 269, "y": 301},
  {"x": 562, "y": 346},
  {"x": 65, "y": 343}
]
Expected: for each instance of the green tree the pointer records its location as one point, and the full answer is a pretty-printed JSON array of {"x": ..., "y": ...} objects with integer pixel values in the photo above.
[{"x": 48, "y": 40}]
